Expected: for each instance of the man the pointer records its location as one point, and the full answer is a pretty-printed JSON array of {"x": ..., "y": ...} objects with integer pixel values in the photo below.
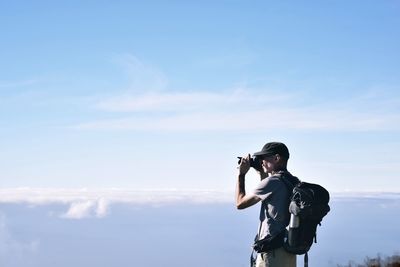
[{"x": 274, "y": 194}]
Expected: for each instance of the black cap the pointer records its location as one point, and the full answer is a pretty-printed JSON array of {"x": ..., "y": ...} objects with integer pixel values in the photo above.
[{"x": 273, "y": 148}]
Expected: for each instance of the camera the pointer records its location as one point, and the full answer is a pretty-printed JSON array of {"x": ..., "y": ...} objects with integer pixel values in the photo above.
[{"x": 255, "y": 162}]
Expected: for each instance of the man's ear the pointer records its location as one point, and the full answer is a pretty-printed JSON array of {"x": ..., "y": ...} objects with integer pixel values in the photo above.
[{"x": 277, "y": 157}]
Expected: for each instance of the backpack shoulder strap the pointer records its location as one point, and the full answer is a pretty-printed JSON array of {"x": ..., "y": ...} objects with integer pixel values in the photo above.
[
  {"x": 289, "y": 180},
  {"x": 288, "y": 184}
]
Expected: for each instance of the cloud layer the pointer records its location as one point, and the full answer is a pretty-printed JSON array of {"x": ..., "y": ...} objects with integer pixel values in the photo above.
[
  {"x": 85, "y": 203},
  {"x": 40, "y": 196}
]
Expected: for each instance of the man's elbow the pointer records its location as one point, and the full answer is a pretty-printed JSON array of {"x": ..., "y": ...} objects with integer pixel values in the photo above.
[{"x": 247, "y": 202}]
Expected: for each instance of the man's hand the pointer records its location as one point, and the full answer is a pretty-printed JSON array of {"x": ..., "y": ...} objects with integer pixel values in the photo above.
[
  {"x": 244, "y": 165},
  {"x": 242, "y": 200}
]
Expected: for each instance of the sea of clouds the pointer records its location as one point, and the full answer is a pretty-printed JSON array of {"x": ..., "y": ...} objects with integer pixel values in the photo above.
[{"x": 118, "y": 227}]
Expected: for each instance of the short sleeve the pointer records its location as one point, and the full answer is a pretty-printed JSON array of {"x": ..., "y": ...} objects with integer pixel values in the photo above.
[{"x": 267, "y": 187}]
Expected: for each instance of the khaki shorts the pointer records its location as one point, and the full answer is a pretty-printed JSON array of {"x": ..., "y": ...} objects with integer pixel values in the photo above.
[{"x": 276, "y": 258}]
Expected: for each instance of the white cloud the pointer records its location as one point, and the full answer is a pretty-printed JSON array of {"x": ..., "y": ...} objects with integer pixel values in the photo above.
[
  {"x": 190, "y": 101},
  {"x": 102, "y": 208},
  {"x": 79, "y": 210},
  {"x": 242, "y": 108},
  {"x": 147, "y": 105},
  {"x": 268, "y": 118},
  {"x": 85, "y": 203},
  {"x": 100, "y": 198},
  {"x": 357, "y": 195}
]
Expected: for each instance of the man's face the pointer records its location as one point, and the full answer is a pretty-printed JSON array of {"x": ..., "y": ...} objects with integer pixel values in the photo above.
[{"x": 269, "y": 163}]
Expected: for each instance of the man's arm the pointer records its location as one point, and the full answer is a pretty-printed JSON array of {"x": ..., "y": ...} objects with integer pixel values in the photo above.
[{"x": 242, "y": 200}]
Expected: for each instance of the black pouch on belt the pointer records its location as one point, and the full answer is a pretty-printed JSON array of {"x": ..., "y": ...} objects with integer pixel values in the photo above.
[{"x": 269, "y": 243}]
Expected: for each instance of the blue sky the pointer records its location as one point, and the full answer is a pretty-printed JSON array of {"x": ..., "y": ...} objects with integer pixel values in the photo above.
[{"x": 164, "y": 95}]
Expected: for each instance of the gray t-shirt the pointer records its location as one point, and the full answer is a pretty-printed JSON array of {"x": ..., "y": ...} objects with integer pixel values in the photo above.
[{"x": 274, "y": 213}]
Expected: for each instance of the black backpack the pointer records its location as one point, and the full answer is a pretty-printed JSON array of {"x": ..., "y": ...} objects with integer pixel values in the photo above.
[{"x": 308, "y": 205}]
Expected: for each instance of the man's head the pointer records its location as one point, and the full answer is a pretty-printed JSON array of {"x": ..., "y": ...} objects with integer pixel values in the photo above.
[{"x": 274, "y": 156}]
